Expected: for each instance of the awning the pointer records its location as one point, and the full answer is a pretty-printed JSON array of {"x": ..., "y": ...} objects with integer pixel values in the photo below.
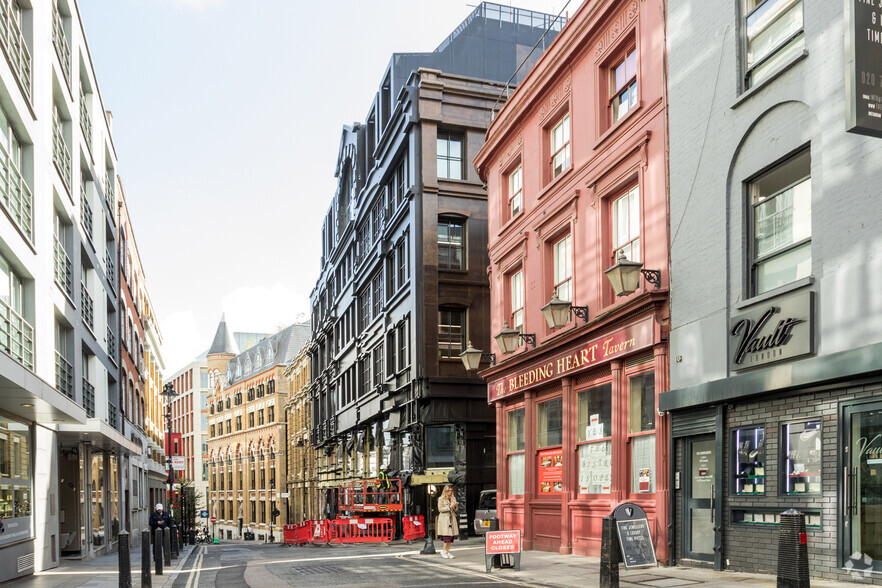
[
  {"x": 24, "y": 395},
  {"x": 99, "y": 434}
]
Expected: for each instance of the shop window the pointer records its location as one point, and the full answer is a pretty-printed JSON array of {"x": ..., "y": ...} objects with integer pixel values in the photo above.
[
  {"x": 563, "y": 268},
  {"x": 450, "y": 159},
  {"x": 641, "y": 431},
  {"x": 626, "y": 225},
  {"x": 559, "y": 142},
  {"x": 451, "y": 332},
  {"x": 516, "y": 191},
  {"x": 515, "y": 449},
  {"x": 516, "y": 298},
  {"x": 802, "y": 458},
  {"x": 623, "y": 84},
  {"x": 549, "y": 417},
  {"x": 440, "y": 442},
  {"x": 781, "y": 200},
  {"x": 750, "y": 460},
  {"x": 773, "y": 34},
  {"x": 594, "y": 437}
]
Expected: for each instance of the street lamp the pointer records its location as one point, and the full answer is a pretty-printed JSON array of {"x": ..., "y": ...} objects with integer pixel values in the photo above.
[
  {"x": 472, "y": 358},
  {"x": 557, "y": 312},
  {"x": 623, "y": 276},
  {"x": 168, "y": 391},
  {"x": 273, "y": 514},
  {"x": 510, "y": 339}
]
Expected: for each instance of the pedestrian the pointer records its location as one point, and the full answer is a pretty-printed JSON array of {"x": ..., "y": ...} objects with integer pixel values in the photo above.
[
  {"x": 159, "y": 520},
  {"x": 446, "y": 525}
]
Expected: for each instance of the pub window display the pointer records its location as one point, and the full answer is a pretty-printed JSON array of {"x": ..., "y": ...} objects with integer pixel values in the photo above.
[
  {"x": 750, "y": 458},
  {"x": 802, "y": 458}
]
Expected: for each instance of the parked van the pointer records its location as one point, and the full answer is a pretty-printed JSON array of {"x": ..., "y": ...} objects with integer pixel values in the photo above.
[{"x": 486, "y": 510}]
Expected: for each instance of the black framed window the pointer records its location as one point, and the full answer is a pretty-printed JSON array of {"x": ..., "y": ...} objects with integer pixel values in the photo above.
[
  {"x": 450, "y": 155},
  {"x": 451, "y": 331},
  {"x": 451, "y": 243},
  {"x": 801, "y": 458}
]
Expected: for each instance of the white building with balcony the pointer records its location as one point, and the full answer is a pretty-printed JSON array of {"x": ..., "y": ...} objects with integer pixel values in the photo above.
[{"x": 60, "y": 439}]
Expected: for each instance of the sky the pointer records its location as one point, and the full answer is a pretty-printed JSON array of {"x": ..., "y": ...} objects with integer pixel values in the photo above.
[{"x": 226, "y": 121}]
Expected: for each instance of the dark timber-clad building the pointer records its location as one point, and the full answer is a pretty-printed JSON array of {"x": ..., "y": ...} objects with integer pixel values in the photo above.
[{"x": 403, "y": 283}]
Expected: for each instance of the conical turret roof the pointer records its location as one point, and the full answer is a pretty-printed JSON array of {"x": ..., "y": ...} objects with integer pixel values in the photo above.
[{"x": 223, "y": 342}]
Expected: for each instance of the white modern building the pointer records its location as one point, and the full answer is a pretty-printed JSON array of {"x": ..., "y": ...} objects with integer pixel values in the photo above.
[
  {"x": 190, "y": 419},
  {"x": 61, "y": 444}
]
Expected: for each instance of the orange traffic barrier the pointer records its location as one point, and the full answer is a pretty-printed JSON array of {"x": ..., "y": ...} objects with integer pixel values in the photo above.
[
  {"x": 361, "y": 530},
  {"x": 414, "y": 527}
]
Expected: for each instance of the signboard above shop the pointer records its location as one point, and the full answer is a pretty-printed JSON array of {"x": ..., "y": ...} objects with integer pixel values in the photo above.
[
  {"x": 863, "y": 76},
  {"x": 777, "y": 330},
  {"x": 598, "y": 351}
]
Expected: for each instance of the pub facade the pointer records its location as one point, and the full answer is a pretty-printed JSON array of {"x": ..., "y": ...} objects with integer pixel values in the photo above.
[{"x": 575, "y": 168}]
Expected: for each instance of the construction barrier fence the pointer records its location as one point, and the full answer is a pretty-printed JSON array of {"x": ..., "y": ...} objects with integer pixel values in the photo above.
[
  {"x": 414, "y": 527},
  {"x": 361, "y": 530}
]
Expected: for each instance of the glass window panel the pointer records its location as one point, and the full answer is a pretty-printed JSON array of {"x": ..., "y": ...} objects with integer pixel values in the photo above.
[
  {"x": 595, "y": 468},
  {"x": 516, "y": 430},
  {"x": 440, "y": 446},
  {"x": 631, "y": 64},
  {"x": 594, "y": 413},
  {"x": 771, "y": 65},
  {"x": 750, "y": 456},
  {"x": 516, "y": 473},
  {"x": 442, "y": 147},
  {"x": 550, "y": 419},
  {"x": 802, "y": 458},
  {"x": 643, "y": 463},
  {"x": 771, "y": 26},
  {"x": 5, "y": 501},
  {"x": 641, "y": 409},
  {"x": 455, "y": 148}
]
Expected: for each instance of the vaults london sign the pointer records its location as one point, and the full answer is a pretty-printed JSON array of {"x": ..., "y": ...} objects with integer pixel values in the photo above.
[
  {"x": 778, "y": 330},
  {"x": 624, "y": 342}
]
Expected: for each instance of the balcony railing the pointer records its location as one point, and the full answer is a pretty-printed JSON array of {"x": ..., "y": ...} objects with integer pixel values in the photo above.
[
  {"x": 109, "y": 268},
  {"x": 87, "y": 308},
  {"x": 111, "y": 343},
  {"x": 63, "y": 269},
  {"x": 89, "y": 398},
  {"x": 109, "y": 195},
  {"x": 85, "y": 119},
  {"x": 60, "y": 152},
  {"x": 111, "y": 415},
  {"x": 59, "y": 39},
  {"x": 64, "y": 375},
  {"x": 15, "y": 194},
  {"x": 14, "y": 44},
  {"x": 86, "y": 212},
  {"x": 16, "y": 336}
]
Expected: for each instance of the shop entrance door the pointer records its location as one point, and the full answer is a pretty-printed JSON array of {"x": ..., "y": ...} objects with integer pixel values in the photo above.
[
  {"x": 700, "y": 490},
  {"x": 862, "y": 488}
]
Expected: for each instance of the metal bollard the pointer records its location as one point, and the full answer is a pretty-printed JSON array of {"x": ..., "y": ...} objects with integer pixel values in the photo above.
[
  {"x": 125, "y": 561},
  {"x": 157, "y": 550},
  {"x": 192, "y": 537},
  {"x": 609, "y": 554},
  {"x": 146, "y": 578},
  {"x": 793, "y": 569},
  {"x": 166, "y": 546},
  {"x": 182, "y": 537},
  {"x": 174, "y": 541}
]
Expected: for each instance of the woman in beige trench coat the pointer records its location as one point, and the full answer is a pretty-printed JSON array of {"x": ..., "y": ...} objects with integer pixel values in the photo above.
[{"x": 446, "y": 527}]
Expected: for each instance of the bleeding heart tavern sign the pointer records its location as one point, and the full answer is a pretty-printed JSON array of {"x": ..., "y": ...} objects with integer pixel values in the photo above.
[{"x": 778, "y": 330}]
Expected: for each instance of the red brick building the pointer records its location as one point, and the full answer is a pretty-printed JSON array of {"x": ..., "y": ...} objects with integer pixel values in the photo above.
[{"x": 576, "y": 173}]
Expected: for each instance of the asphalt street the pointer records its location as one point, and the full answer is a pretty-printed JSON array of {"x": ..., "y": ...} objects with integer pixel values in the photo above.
[{"x": 269, "y": 566}]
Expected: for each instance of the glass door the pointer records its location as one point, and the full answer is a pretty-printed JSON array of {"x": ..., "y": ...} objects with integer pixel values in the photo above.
[
  {"x": 862, "y": 488},
  {"x": 700, "y": 493}
]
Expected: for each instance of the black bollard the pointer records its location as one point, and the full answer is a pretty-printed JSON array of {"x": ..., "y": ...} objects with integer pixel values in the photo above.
[
  {"x": 157, "y": 550},
  {"x": 793, "y": 570},
  {"x": 609, "y": 554},
  {"x": 174, "y": 541},
  {"x": 192, "y": 537},
  {"x": 125, "y": 561},
  {"x": 182, "y": 538},
  {"x": 166, "y": 546},
  {"x": 146, "y": 578}
]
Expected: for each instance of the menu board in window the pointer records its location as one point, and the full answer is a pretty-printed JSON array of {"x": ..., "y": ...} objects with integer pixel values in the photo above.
[
  {"x": 551, "y": 471},
  {"x": 802, "y": 458},
  {"x": 749, "y": 460}
]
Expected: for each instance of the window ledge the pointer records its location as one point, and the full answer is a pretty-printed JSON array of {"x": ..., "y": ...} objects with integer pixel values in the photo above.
[
  {"x": 616, "y": 126},
  {"x": 511, "y": 221},
  {"x": 749, "y": 93},
  {"x": 555, "y": 181},
  {"x": 450, "y": 270},
  {"x": 801, "y": 283}
]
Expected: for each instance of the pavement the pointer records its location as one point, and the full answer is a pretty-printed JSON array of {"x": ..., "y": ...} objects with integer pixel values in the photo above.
[{"x": 277, "y": 565}]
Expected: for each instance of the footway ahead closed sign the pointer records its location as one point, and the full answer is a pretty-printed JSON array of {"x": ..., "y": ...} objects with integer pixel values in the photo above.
[{"x": 502, "y": 543}]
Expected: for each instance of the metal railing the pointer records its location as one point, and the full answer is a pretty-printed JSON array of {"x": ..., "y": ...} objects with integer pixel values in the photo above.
[
  {"x": 89, "y": 398},
  {"x": 64, "y": 375},
  {"x": 60, "y": 152},
  {"x": 109, "y": 195},
  {"x": 111, "y": 344},
  {"x": 109, "y": 268},
  {"x": 14, "y": 44},
  {"x": 59, "y": 39},
  {"x": 85, "y": 119},
  {"x": 111, "y": 414},
  {"x": 63, "y": 268},
  {"x": 15, "y": 194},
  {"x": 86, "y": 212},
  {"x": 16, "y": 336},
  {"x": 87, "y": 307}
]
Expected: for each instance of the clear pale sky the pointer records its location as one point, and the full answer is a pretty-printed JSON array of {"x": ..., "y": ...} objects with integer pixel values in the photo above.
[{"x": 226, "y": 121}]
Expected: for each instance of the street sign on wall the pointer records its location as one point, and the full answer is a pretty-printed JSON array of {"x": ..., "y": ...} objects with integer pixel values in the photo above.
[{"x": 203, "y": 514}]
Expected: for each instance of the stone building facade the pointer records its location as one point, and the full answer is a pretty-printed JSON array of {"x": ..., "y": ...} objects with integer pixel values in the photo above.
[{"x": 302, "y": 501}]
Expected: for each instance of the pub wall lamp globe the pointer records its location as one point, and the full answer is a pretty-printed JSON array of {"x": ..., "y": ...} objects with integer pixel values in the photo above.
[
  {"x": 624, "y": 275},
  {"x": 510, "y": 339},
  {"x": 557, "y": 312},
  {"x": 472, "y": 358}
]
